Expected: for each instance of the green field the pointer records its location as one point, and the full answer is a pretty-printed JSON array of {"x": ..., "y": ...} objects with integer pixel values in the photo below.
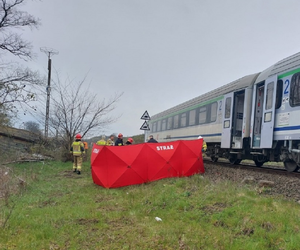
[{"x": 47, "y": 206}]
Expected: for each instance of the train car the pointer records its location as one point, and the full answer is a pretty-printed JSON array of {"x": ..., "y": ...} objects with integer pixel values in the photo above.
[
  {"x": 254, "y": 117},
  {"x": 275, "y": 125}
]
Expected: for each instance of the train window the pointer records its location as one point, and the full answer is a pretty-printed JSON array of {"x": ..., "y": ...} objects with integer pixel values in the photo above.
[
  {"x": 202, "y": 115},
  {"x": 183, "y": 120},
  {"x": 227, "y": 107},
  {"x": 213, "y": 111},
  {"x": 279, "y": 94},
  {"x": 269, "y": 97},
  {"x": 154, "y": 127},
  {"x": 295, "y": 90},
  {"x": 268, "y": 117},
  {"x": 164, "y": 125},
  {"x": 158, "y": 126},
  {"x": 226, "y": 124},
  {"x": 192, "y": 117},
  {"x": 176, "y": 120},
  {"x": 169, "y": 123}
]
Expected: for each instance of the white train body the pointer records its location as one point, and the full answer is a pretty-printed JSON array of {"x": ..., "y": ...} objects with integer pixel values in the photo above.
[{"x": 256, "y": 117}]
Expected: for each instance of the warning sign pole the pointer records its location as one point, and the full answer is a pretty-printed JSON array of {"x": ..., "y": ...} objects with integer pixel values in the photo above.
[{"x": 145, "y": 125}]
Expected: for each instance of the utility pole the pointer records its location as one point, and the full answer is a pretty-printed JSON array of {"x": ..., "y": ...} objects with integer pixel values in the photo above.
[{"x": 48, "y": 52}]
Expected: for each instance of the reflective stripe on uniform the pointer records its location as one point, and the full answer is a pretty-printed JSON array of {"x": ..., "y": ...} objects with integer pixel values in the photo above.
[
  {"x": 110, "y": 142},
  {"x": 77, "y": 147},
  {"x": 101, "y": 142}
]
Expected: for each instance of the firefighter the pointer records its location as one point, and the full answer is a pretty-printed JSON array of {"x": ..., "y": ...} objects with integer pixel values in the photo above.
[
  {"x": 101, "y": 142},
  {"x": 110, "y": 141},
  {"x": 129, "y": 141},
  {"x": 204, "y": 146},
  {"x": 119, "y": 141},
  {"x": 77, "y": 149}
]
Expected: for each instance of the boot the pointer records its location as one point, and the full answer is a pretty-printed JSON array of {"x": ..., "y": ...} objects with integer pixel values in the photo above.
[
  {"x": 74, "y": 169},
  {"x": 78, "y": 172}
]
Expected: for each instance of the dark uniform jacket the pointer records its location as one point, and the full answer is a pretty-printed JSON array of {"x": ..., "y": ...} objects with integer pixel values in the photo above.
[
  {"x": 119, "y": 142},
  {"x": 151, "y": 140}
]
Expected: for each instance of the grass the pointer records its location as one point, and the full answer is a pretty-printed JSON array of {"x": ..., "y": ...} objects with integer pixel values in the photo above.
[{"x": 58, "y": 209}]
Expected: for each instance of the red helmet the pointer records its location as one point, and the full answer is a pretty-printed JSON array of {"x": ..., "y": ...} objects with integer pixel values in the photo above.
[
  {"x": 120, "y": 135},
  {"x": 130, "y": 140},
  {"x": 78, "y": 136}
]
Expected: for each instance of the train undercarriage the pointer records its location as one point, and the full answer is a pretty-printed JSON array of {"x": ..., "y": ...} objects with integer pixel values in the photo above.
[{"x": 287, "y": 152}]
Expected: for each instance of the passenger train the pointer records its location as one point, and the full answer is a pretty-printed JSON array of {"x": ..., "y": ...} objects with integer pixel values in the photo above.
[{"x": 256, "y": 117}]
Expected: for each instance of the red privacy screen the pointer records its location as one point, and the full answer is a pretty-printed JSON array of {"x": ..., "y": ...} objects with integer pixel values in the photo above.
[{"x": 117, "y": 166}]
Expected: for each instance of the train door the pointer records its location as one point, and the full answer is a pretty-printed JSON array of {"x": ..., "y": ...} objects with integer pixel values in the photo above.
[
  {"x": 256, "y": 117},
  {"x": 267, "y": 125},
  {"x": 263, "y": 116},
  {"x": 227, "y": 121},
  {"x": 237, "y": 121}
]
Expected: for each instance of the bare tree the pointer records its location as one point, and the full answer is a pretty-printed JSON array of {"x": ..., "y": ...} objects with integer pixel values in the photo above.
[
  {"x": 33, "y": 127},
  {"x": 15, "y": 82},
  {"x": 11, "y": 18},
  {"x": 17, "y": 86},
  {"x": 76, "y": 110}
]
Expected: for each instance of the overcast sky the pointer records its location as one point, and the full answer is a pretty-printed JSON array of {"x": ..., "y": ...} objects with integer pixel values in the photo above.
[{"x": 161, "y": 53}]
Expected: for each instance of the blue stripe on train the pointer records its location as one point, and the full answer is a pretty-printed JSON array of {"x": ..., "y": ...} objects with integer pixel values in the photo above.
[
  {"x": 287, "y": 128},
  {"x": 193, "y": 136}
]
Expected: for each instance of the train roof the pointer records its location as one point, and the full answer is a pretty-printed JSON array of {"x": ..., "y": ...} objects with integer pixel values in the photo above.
[
  {"x": 227, "y": 88},
  {"x": 283, "y": 66}
]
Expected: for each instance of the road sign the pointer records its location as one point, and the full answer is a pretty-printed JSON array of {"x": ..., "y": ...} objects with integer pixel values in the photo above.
[
  {"x": 145, "y": 126},
  {"x": 145, "y": 116}
]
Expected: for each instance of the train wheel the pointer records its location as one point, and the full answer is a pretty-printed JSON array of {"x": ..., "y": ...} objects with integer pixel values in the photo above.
[
  {"x": 258, "y": 163},
  {"x": 214, "y": 158},
  {"x": 233, "y": 160},
  {"x": 290, "y": 166}
]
